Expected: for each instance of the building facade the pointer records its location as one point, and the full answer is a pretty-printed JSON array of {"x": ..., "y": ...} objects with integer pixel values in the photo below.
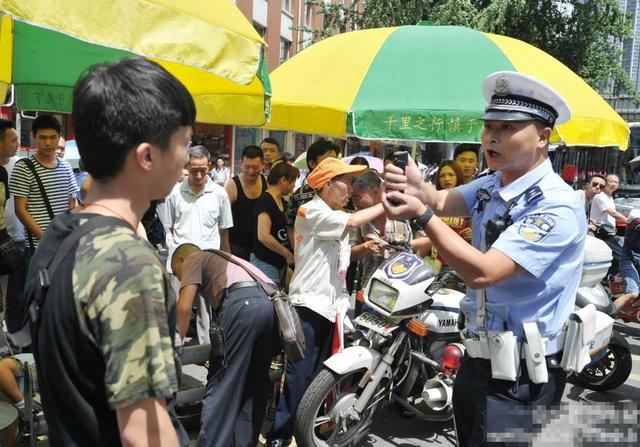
[
  {"x": 630, "y": 62},
  {"x": 278, "y": 21}
]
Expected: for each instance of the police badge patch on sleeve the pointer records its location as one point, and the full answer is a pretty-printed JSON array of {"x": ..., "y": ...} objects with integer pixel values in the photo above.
[{"x": 535, "y": 227}]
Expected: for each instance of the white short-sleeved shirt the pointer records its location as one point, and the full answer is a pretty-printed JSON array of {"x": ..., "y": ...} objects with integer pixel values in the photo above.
[
  {"x": 14, "y": 226},
  {"x": 599, "y": 206},
  {"x": 198, "y": 218},
  {"x": 322, "y": 254}
]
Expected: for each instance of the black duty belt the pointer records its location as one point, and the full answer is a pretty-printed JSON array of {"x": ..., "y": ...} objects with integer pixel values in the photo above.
[{"x": 240, "y": 285}]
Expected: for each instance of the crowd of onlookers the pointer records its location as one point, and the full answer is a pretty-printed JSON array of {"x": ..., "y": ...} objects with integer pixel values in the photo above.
[{"x": 322, "y": 241}]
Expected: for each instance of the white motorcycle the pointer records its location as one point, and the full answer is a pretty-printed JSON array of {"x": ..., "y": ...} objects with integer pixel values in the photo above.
[
  {"x": 610, "y": 367},
  {"x": 408, "y": 353}
]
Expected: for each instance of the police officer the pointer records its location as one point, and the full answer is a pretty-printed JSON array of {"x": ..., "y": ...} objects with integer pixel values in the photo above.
[{"x": 524, "y": 266}]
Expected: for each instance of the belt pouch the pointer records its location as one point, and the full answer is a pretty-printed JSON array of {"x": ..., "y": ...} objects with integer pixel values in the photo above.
[
  {"x": 473, "y": 348},
  {"x": 216, "y": 335},
  {"x": 504, "y": 355},
  {"x": 534, "y": 354}
]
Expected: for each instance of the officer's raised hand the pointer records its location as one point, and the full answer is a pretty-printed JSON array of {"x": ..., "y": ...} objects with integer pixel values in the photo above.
[
  {"x": 410, "y": 181},
  {"x": 399, "y": 206}
]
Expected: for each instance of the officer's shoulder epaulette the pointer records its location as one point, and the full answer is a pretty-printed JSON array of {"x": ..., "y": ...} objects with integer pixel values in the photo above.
[
  {"x": 533, "y": 195},
  {"x": 485, "y": 173}
]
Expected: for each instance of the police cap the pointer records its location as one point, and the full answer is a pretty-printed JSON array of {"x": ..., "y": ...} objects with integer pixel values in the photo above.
[{"x": 515, "y": 96}]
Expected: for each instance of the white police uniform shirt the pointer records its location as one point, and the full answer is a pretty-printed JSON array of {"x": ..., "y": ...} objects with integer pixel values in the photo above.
[{"x": 546, "y": 239}]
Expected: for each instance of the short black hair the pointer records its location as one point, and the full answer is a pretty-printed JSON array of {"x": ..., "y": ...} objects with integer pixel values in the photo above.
[
  {"x": 4, "y": 126},
  {"x": 600, "y": 176},
  {"x": 359, "y": 161},
  {"x": 119, "y": 105},
  {"x": 45, "y": 122},
  {"x": 465, "y": 147},
  {"x": 318, "y": 149},
  {"x": 270, "y": 140},
  {"x": 253, "y": 152}
]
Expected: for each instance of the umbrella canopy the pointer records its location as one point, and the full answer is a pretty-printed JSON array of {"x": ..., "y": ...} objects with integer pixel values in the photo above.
[
  {"x": 423, "y": 83},
  {"x": 301, "y": 161},
  {"x": 208, "y": 44}
]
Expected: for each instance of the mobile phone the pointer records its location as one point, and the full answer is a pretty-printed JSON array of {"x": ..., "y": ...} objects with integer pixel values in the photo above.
[{"x": 400, "y": 159}]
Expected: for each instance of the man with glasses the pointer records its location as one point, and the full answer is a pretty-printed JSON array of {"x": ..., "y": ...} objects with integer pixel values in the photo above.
[
  {"x": 594, "y": 186},
  {"x": 603, "y": 209}
]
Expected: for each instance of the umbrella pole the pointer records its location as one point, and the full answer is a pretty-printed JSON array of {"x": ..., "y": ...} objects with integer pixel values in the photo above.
[{"x": 414, "y": 146}]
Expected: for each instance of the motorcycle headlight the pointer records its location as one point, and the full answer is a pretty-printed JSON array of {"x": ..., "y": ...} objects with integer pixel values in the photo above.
[{"x": 382, "y": 295}]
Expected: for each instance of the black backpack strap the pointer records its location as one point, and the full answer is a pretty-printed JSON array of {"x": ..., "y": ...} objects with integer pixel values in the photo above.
[
  {"x": 269, "y": 288},
  {"x": 32, "y": 167},
  {"x": 29, "y": 163},
  {"x": 45, "y": 273}
]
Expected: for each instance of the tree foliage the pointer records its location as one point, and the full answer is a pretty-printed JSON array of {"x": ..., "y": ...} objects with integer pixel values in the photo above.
[{"x": 584, "y": 34}]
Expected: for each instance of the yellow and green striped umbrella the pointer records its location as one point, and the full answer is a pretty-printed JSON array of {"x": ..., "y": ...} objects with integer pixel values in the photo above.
[
  {"x": 208, "y": 44},
  {"x": 423, "y": 83}
]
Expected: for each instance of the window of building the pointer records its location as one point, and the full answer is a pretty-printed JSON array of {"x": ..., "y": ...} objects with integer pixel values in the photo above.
[
  {"x": 285, "y": 50},
  {"x": 260, "y": 29},
  {"x": 308, "y": 14},
  {"x": 286, "y": 5}
]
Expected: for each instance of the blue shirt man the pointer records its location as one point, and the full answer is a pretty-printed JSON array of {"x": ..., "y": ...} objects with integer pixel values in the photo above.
[
  {"x": 537, "y": 241},
  {"x": 524, "y": 265}
]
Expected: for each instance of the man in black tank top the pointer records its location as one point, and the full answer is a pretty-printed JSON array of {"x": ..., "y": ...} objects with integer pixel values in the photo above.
[{"x": 244, "y": 190}]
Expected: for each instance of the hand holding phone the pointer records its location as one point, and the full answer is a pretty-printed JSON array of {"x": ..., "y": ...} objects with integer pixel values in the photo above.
[{"x": 400, "y": 159}]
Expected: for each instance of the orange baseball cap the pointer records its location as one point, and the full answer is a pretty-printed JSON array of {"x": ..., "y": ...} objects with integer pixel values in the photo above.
[{"x": 330, "y": 168}]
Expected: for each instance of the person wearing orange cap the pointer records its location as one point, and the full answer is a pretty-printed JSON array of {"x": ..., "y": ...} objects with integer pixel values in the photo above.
[{"x": 322, "y": 253}]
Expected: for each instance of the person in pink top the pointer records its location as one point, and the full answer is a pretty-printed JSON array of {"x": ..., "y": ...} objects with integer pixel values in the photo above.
[{"x": 238, "y": 380}]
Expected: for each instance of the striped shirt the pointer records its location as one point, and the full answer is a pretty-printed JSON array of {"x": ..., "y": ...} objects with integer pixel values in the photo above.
[{"x": 59, "y": 184}]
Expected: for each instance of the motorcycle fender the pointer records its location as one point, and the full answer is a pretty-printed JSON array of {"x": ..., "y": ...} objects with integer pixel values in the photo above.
[
  {"x": 352, "y": 359},
  {"x": 618, "y": 339}
]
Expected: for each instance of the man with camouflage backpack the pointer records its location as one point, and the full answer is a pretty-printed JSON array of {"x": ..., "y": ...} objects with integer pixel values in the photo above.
[{"x": 105, "y": 316}]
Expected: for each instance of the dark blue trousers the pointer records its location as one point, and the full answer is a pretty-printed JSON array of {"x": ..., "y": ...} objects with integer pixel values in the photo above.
[
  {"x": 490, "y": 412},
  {"x": 235, "y": 402},
  {"x": 318, "y": 333}
]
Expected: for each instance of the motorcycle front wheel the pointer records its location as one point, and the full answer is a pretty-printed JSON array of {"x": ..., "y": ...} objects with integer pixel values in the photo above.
[
  {"x": 609, "y": 373},
  {"x": 322, "y": 418}
]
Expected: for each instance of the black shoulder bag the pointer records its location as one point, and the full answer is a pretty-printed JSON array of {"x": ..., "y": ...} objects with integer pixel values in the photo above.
[
  {"x": 289, "y": 324},
  {"x": 29, "y": 163}
]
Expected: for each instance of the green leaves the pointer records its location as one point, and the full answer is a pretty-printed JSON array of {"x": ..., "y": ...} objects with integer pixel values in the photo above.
[{"x": 586, "y": 35}]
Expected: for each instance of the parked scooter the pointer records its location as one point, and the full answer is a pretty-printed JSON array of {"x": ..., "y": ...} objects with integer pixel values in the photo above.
[
  {"x": 611, "y": 367},
  {"x": 408, "y": 353}
]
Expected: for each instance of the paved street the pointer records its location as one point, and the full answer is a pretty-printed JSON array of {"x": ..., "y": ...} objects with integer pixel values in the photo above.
[{"x": 392, "y": 430}]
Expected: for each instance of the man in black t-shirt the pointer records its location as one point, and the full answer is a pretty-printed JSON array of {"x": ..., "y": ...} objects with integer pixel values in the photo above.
[{"x": 244, "y": 190}]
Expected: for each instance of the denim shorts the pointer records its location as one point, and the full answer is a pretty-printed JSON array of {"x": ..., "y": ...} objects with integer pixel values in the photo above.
[{"x": 273, "y": 273}]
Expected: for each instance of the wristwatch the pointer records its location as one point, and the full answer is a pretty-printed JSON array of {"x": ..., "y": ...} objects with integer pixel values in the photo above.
[{"x": 421, "y": 221}]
